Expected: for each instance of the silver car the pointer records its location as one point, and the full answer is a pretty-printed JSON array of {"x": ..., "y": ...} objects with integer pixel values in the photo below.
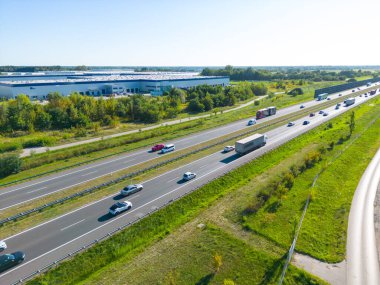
[
  {"x": 189, "y": 175},
  {"x": 131, "y": 189}
]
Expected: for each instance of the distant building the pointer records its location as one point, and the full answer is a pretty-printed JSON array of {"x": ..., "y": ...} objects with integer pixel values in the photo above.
[{"x": 38, "y": 86}]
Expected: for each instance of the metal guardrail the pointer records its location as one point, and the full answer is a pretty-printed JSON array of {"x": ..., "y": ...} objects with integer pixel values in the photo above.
[
  {"x": 109, "y": 234},
  {"x": 132, "y": 174}
]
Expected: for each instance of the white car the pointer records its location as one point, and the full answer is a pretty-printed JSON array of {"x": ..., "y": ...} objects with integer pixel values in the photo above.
[
  {"x": 120, "y": 207},
  {"x": 130, "y": 189},
  {"x": 3, "y": 245},
  {"x": 189, "y": 175},
  {"x": 228, "y": 148},
  {"x": 251, "y": 122},
  {"x": 168, "y": 148}
]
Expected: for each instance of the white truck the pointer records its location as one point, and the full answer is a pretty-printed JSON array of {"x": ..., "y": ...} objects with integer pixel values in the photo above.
[
  {"x": 250, "y": 143},
  {"x": 349, "y": 101}
]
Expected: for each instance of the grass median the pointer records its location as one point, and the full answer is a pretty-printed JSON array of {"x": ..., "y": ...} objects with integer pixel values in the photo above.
[{"x": 220, "y": 193}]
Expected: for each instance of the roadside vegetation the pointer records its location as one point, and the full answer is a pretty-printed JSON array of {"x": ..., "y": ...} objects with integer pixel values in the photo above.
[
  {"x": 55, "y": 160},
  {"x": 223, "y": 201}
]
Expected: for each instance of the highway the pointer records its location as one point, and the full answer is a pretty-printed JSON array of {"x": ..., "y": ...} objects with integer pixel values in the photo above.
[
  {"x": 28, "y": 191},
  {"x": 52, "y": 240},
  {"x": 362, "y": 259}
]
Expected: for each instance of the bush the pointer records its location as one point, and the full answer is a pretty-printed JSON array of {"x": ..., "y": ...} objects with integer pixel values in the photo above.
[
  {"x": 11, "y": 146},
  {"x": 41, "y": 141},
  {"x": 257, "y": 103},
  {"x": 9, "y": 164},
  {"x": 296, "y": 91}
]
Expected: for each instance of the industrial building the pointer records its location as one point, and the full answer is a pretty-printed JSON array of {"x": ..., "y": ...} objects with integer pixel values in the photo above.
[{"x": 38, "y": 86}]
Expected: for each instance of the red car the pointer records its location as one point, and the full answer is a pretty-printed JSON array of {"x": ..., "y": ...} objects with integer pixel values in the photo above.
[{"x": 158, "y": 147}]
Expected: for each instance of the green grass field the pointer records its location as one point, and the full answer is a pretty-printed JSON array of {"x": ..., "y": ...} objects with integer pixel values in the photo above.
[{"x": 323, "y": 234}]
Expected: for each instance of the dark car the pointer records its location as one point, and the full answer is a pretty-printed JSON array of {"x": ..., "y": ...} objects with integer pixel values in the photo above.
[
  {"x": 158, "y": 147},
  {"x": 9, "y": 260},
  {"x": 312, "y": 115},
  {"x": 306, "y": 122}
]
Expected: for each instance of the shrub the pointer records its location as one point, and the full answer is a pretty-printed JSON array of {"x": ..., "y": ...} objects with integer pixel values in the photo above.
[
  {"x": 11, "y": 146},
  {"x": 296, "y": 91},
  {"x": 257, "y": 103},
  {"x": 40, "y": 141},
  {"x": 9, "y": 164}
]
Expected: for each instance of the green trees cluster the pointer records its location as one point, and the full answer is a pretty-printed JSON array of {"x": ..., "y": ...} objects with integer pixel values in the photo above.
[
  {"x": 283, "y": 74},
  {"x": 83, "y": 112}
]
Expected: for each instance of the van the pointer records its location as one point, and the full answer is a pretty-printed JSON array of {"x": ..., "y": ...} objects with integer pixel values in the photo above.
[{"x": 168, "y": 148}]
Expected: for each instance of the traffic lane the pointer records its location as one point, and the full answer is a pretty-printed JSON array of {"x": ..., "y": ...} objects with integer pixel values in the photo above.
[
  {"x": 76, "y": 177},
  {"x": 154, "y": 202}
]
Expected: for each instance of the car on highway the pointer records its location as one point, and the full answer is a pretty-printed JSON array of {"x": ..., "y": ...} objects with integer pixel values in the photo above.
[
  {"x": 328, "y": 98},
  {"x": 158, "y": 147},
  {"x": 130, "y": 189},
  {"x": 340, "y": 95},
  {"x": 337, "y": 107},
  {"x": 251, "y": 122},
  {"x": 12, "y": 259},
  {"x": 120, "y": 207},
  {"x": 366, "y": 96},
  {"x": 188, "y": 176},
  {"x": 291, "y": 124},
  {"x": 311, "y": 115},
  {"x": 3, "y": 245},
  {"x": 168, "y": 148},
  {"x": 321, "y": 112},
  {"x": 353, "y": 90},
  {"x": 228, "y": 148},
  {"x": 306, "y": 122},
  {"x": 302, "y": 106},
  {"x": 325, "y": 114}
]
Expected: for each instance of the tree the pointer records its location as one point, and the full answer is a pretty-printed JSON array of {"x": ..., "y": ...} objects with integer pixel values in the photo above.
[
  {"x": 352, "y": 123},
  {"x": 9, "y": 164},
  {"x": 195, "y": 106},
  {"x": 217, "y": 262}
]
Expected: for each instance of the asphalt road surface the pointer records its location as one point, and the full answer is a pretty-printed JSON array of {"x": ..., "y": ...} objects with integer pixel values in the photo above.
[
  {"x": 362, "y": 259},
  {"x": 28, "y": 191},
  {"x": 54, "y": 239}
]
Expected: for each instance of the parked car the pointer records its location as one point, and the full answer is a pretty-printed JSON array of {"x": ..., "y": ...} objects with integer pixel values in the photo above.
[
  {"x": 251, "y": 122},
  {"x": 302, "y": 106},
  {"x": 12, "y": 259},
  {"x": 158, "y": 147},
  {"x": 228, "y": 148},
  {"x": 306, "y": 122},
  {"x": 189, "y": 175},
  {"x": 311, "y": 115},
  {"x": 168, "y": 148},
  {"x": 120, "y": 207},
  {"x": 130, "y": 189},
  {"x": 3, "y": 245},
  {"x": 325, "y": 114},
  {"x": 290, "y": 124},
  {"x": 320, "y": 112}
]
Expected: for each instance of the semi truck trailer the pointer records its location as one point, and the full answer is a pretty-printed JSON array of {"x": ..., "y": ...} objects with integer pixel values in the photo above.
[
  {"x": 250, "y": 143},
  {"x": 349, "y": 101},
  {"x": 265, "y": 112}
]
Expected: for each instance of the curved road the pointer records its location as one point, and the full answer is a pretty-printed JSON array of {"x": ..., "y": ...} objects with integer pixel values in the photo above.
[
  {"x": 52, "y": 240},
  {"x": 362, "y": 257},
  {"x": 25, "y": 192}
]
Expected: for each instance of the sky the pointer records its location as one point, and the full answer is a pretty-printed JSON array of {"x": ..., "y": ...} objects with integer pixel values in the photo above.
[{"x": 189, "y": 33}]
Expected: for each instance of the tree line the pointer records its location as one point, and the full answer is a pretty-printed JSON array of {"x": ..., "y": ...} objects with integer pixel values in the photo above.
[
  {"x": 79, "y": 111},
  {"x": 249, "y": 73},
  {"x": 12, "y": 68}
]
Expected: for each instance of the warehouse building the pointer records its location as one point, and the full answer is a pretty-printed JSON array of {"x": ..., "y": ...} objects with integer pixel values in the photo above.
[{"x": 39, "y": 86}]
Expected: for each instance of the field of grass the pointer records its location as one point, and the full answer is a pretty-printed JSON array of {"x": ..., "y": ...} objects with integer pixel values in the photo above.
[
  {"x": 135, "y": 239},
  {"x": 323, "y": 238},
  {"x": 186, "y": 257},
  {"x": 51, "y": 161}
]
